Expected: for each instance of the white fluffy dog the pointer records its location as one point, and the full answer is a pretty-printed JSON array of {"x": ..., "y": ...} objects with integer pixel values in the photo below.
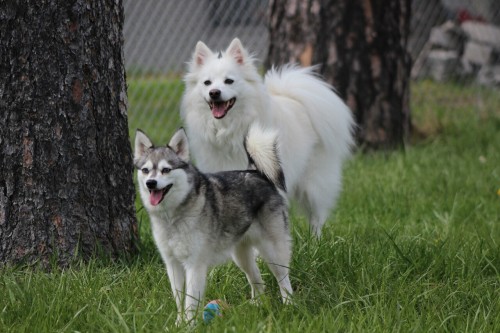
[{"x": 225, "y": 94}]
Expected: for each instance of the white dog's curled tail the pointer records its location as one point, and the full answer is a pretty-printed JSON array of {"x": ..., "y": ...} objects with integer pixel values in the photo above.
[{"x": 261, "y": 145}]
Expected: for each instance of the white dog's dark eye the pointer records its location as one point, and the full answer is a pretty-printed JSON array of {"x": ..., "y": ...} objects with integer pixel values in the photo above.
[
  {"x": 207, "y": 82},
  {"x": 145, "y": 170},
  {"x": 228, "y": 81},
  {"x": 166, "y": 170}
]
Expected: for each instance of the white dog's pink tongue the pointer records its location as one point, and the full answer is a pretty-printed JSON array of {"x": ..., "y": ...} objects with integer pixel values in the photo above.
[
  {"x": 218, "y": 110},
  {"x": 155, "y": 197}
]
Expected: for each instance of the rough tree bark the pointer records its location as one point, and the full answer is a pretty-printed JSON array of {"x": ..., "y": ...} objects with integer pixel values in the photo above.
[
  {"x": 66, "y": 186},
  {"x": 360, "y": 47}
]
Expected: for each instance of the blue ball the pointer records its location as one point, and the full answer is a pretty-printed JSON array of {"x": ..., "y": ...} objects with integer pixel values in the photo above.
[{"x": 210, "y": 311}]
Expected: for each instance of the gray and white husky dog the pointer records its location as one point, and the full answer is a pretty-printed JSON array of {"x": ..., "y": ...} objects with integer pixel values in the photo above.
[{"x": 199, "y": 220}]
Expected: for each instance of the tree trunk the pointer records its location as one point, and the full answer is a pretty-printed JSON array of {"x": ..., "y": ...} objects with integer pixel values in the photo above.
[
  {"x": 66, "y": 188},
  {"x": 360, "y": 46}
]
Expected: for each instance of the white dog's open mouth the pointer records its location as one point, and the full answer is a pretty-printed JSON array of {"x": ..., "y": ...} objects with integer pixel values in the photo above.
[
  {"x": 220, "y": 109},
  {"x": 156, "y": 196}
]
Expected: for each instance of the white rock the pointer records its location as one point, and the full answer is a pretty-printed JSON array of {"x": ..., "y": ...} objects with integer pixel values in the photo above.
[
  {"x": 482, "y": 33},
  {"x": 479, "y": 54}
]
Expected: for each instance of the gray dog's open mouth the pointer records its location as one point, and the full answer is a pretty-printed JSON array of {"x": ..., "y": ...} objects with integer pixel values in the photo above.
[
  {"x": 220, "y": 109},
  {"x": 156, "y": 196}
]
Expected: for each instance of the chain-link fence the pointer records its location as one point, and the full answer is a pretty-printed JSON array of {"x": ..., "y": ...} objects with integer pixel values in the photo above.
[{"x": 160, "y": 37}]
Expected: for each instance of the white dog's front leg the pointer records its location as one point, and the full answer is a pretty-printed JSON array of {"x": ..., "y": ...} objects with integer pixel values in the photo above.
[
  {"x": 195, "y": 289},
  {"x": 176, "y": 275}
]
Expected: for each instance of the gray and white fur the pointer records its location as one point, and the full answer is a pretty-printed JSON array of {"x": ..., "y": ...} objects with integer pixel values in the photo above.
[{"x": 199, "y": 220}]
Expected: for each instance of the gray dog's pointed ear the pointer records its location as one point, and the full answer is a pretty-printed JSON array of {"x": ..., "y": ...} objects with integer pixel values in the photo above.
[
  {"x": 142, "y": 143},
  {"x": 201, "y": 53},
  {"x": 179, "y": 143}
]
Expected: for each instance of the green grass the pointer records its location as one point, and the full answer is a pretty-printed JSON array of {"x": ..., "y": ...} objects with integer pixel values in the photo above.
[
  {"x": 413, "y": 246},
  {"x": 154, "y": 105}
]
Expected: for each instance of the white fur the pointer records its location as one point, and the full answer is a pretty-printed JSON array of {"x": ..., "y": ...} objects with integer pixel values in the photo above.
[
  {"x": 261, "y": 144},
  {"x": 315, "y": 126}
]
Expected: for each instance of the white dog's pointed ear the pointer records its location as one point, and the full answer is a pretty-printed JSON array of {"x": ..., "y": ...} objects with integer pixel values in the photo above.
[
  {"x": 179, "y": 143},
  {"x": 201, "y": 53},
  {"x": 142, "y": 143},
  {"x": 236, "y": 50}
]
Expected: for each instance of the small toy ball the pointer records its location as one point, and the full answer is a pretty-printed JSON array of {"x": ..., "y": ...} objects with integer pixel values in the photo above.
[{"x": 212, "y": 309}]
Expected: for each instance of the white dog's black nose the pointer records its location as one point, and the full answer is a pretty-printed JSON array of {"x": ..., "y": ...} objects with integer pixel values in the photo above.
[
  {"x": 214, "y": 93},
  {"x": 151, "y": 184}
]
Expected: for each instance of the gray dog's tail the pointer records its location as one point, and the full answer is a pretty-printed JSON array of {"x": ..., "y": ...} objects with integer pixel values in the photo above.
[{"x": 262, "y": 149}]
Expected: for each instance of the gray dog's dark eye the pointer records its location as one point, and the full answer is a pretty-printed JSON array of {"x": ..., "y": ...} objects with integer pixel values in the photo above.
[
  {"x": 228, "y": 81},
  {"x": 145, "y": 170},
  {"x": 166, "y": 170},
  {"x": 207, "y": 82}
]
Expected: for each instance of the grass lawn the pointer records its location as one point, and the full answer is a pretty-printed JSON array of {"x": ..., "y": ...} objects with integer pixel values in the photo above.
[{"x": 413, "y": 246}]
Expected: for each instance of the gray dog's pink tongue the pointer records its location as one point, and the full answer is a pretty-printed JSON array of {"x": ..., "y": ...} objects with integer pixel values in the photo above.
[
  {"x": 218, "y": 110},
  {"x": 155, "y": 197}
]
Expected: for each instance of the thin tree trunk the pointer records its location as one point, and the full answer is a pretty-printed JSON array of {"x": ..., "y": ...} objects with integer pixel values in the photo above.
[
  {"x": 66, "y": 186},
  {"x": 360, "y": 46}
]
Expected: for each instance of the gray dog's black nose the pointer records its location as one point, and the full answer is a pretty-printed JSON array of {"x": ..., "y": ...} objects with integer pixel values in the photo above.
[
  {"x": 214, "y": 93},
  {"x": 151, "y": 184}
]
